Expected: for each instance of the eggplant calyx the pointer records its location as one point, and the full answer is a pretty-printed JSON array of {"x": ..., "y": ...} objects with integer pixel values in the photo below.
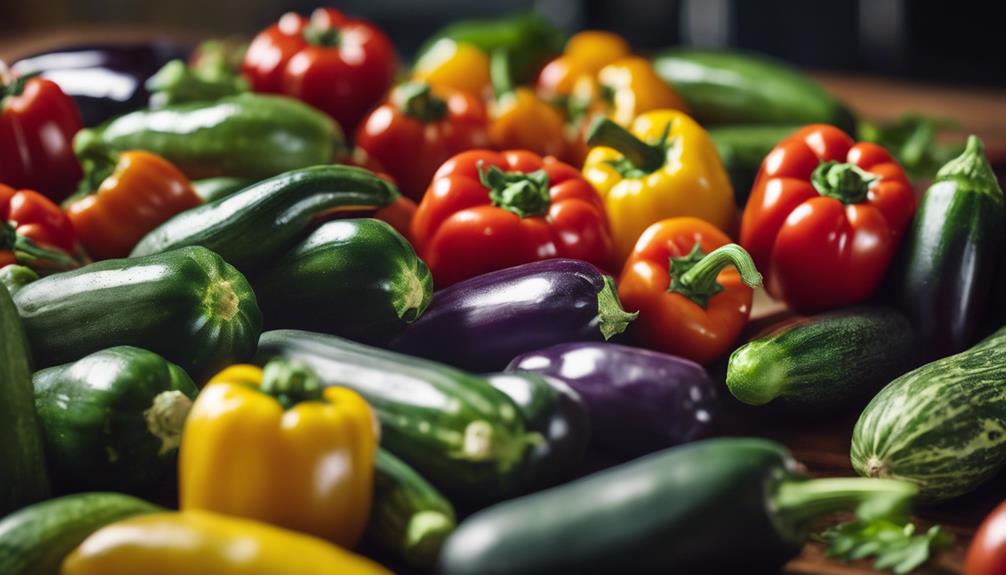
[
  {"x": 847, "y": 183},
  {"x": 695, "y": 275},
  {"x": 613, "y": 319},
  {"x": 972, "y": 166},
  {"x": 523, "y": 194},
  {"x": 166, "y": 417},
  {"x": 290, "y": 382}
]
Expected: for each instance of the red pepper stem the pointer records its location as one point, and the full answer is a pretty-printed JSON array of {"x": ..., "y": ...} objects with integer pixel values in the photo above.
[
  {"x": 290, "y": 382},
  {"x": 14, "y": 85},
  {"x": 523, "y": 194},
  {"x": 320, "y": 36},
  {"x": 698, "y": 282},
  {"x": 416, "y": 99},
  {"x": 645, "y": 157},
  {"x": 499, "y": 73},
  {"x": 847, "y": 183},
  {"x": 30, "y": 254}
]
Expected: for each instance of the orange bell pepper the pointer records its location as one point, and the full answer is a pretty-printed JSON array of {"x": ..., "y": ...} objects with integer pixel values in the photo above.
[
  {"x": 680, "y": 278},
  {"x": 451, "y": 65},
  {"x": 123, "y": 197},
  {"x": 520, "y": 120}
]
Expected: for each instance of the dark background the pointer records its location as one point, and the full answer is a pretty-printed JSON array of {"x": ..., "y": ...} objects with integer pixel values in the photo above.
[{"x": 952, "y": 41}]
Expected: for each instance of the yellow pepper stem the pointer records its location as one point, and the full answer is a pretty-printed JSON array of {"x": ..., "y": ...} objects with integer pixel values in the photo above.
[
  {"x": 694, "y": 276},
  {"x": 290, "y": 382},
  {"x": 416, "y": 99},
  {"x": 846, "y": 183},
  {"x": 642, "y": 158}
]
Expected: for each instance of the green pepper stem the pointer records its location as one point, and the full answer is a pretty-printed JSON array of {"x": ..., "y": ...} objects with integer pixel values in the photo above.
[
  {"x": 14, "y": 86},
  {"x": 30, "y": 254},
  {"x": 694, "y": 276},
  {"x": 416, "y": 99},
  {"x": 319, "y": 36},
  {"x": 290, "y": 382},
  {"x": 97, "y": 160},
  {"x": 798, "y": 503},
  {"x": 612, "y": 317},
  {"x": 523, "y": 194},
  {"x": 845, "y": 182},
  {"x": 499, "y": 73},
  {"x": 644, "y": 157}
]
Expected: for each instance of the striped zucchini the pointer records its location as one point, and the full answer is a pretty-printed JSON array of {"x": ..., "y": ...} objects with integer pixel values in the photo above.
[{"x": 941, "y": 426}]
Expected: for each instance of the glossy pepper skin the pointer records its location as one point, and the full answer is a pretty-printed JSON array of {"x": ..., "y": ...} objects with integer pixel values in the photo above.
[
  {"x": 416, "y": 131},
  {"x": 123, "y": 197},
  {"x": 35, "y": 233},
  {"x": 340, "y": 65},
  {"x": 519, "y": 119},
  {"x": 486, "y": 211},
  {"x": 202, "y": 543},
  {"x": 272, "y": 445},
  {"x": 825, "y": 217},
  {"x": 37, "y": 125},
  {"x": 691, "y": 287},
  {"x": 987, "y": 553},
  {"x": 451, "y": 65},
  {"x": 664, "y": 166}
]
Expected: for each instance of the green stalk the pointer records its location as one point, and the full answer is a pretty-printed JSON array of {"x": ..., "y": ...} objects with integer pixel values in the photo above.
[
  {"x": 290, "y": 383},
  {"x": 642, "y": 157},
  {"x": 694, "y": 276}
]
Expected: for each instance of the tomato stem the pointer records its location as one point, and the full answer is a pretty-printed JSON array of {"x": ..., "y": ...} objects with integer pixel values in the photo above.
[
  {"x": 694, "y": 276},
  {"x": 290, "y": 383},
  {"x": 416, "y": 99},
  {"x": 640, "y": 158},
  {"x": 523, "y": 194},
  {"x": 847, "y": 183}
]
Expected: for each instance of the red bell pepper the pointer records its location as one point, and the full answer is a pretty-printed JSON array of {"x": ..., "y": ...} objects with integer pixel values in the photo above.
[
  {"x": 34, "y": 232},
  {"x": 487, "y": 210},
  {"x": 337, "y": 64},
  {"x": 825, "y": 217},
  {"x": 416, "y": 131},
  {"x": 987, "y": 553},
  {"x": 37, "y": 125}
]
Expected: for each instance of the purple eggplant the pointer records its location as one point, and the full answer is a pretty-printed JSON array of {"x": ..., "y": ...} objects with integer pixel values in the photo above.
[
  {"x": 105, "y": 80},
  {"x": 638, "y": 400},
  {"x": 482, "y": 323}
]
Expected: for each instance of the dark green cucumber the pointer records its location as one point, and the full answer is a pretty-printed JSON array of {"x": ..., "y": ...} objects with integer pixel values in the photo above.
[
  {"x": 949, "y": 256},
  {"x": 253, "y": 227},
  {"x": 823, "y": 362},
  {"x": 212, "y": 189},
  {"x": 358, "y": 279},
  {"x": 730, "y": 505},
  {"x": 14, "y": 277},
  {"x": 739, "y": 88},
  {"x": 556, "y": 412},
  {"x": 35, "y": 540},
  {"x": 454, "y": 428},
  {"x": 113, "y": 420},
  {"x": 742, "y": 149},
  {"x": 941, "y": 426},
  {"x": 410, "y": 519},
  {"x": 187, "y": 305},
  {"x": 23, "y": 477},
  {"x": 247, "y": 135}
]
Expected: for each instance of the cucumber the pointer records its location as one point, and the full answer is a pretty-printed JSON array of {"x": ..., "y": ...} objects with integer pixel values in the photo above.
[
  {"x": 737, "y": 88},
  {"x": 358, "y": 279},
  {"x": 212, "y": 189},
  {"x": 23, "y": 477},
  {"x": 410, "y": 519},
  {"x": 187, "y": 305},
  {"x": 113, "y": 420},
  {"x": 825, "y": 361},
  {"x": 454, "y": 428},
  {"x": 254, "y": 226},
  {"x": 35, "y": 540},
  {"x": 941, "y": 426}
]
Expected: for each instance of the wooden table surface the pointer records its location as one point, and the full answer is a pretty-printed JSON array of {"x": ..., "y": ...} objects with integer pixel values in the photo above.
[{"x": 823, "y": 446}]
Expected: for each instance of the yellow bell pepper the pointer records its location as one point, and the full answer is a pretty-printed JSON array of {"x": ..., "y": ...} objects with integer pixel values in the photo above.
[
  {"x": 202, "y": 543},
  {"x": 450, "y": 66},
  {"x": 520, "y": 120},
  {"x": 665, "y": 167},
  {"x": 274, "y": 446},
  {"x": 585, "y": 54},
  {"x": 631, "y": 87}
]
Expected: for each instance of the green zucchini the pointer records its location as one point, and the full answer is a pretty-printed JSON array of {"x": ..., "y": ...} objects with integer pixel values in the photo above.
[
  {"x": 358, "y": 279},
  {"x": 14, "y": 277},
  {"x": 946, "y": 268},
  {"x": 254, "y": 226},
  {"x": 823, "y": 362},
  {"x": 729, "y": 505},
  {"x": 34, "y": 540},
  {"x": 187, "y": 305},
  {"x": 941, "y": 426},
  {"x": 22, "y": 461},
  {"x": 247, "y": 135},
  {"x": 742, "y": 149},
  {"x": 113, "y": 420},
  {"x": 410, "y": 519},
  {"x": 739, "y": 88},
  {"x": 454, "y": 428},
  {"x": 212, "y": 189}
]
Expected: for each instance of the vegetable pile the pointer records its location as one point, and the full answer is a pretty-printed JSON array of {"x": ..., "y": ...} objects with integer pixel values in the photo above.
[{"x": 293, "y": 307}]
